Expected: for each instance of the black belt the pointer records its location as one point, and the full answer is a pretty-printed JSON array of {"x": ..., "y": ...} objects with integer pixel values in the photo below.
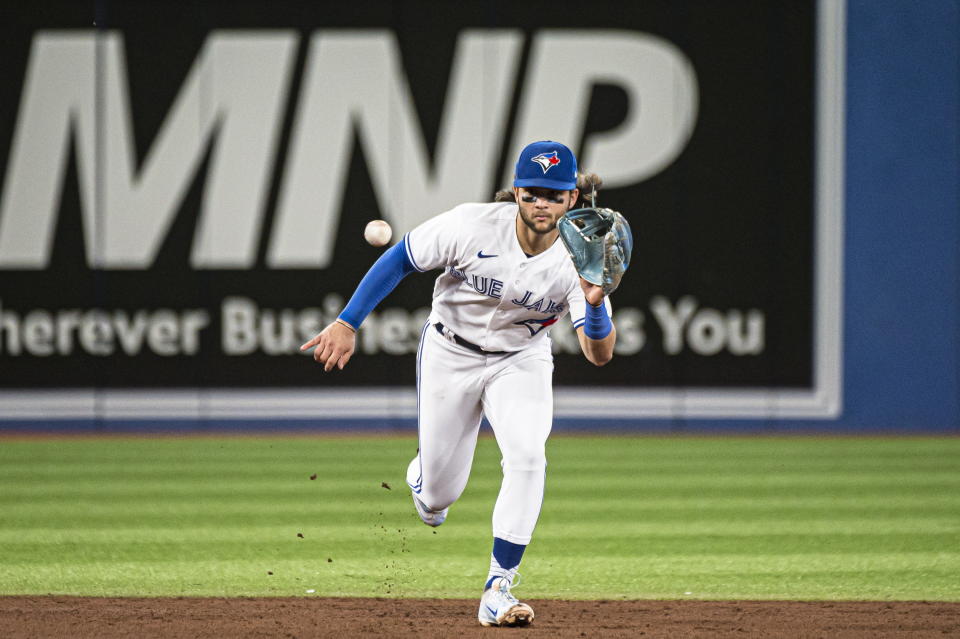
[{"x": 462, "y": 342}]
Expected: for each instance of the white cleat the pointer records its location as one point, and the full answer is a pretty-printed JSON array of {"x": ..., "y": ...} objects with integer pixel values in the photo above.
[
  {"x": 500, "y": 608},
  {"x": 430, "y": 517}
]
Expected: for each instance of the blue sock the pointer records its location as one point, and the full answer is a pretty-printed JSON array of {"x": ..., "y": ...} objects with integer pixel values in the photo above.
[{"x": 505, "y": 560}]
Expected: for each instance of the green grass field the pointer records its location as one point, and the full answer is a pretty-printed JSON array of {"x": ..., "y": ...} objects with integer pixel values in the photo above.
[{"x": 624, "y": 517}]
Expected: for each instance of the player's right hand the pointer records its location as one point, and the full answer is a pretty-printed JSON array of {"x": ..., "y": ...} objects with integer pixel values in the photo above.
[{"x": 334, "y": 346}]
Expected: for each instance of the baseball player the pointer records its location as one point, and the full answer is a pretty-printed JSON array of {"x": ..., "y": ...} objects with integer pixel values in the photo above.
[{"x": 485, "y": 349}]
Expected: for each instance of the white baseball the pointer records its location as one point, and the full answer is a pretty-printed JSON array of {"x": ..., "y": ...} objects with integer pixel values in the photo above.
[{"x": 377, "y": 233}]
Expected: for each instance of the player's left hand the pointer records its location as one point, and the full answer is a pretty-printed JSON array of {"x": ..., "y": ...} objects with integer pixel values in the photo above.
[
  {"x": 599, "y": 242},
  {"x": 592, "y": 292}
]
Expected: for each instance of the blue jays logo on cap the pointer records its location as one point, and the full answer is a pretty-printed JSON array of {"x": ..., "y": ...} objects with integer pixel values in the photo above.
[
  {"x": 546, "y": 160},
  {"x": 548, "y": 165}
]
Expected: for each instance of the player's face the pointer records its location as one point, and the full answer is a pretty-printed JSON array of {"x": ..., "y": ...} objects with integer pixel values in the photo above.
[{"x": 541, "y": 209}]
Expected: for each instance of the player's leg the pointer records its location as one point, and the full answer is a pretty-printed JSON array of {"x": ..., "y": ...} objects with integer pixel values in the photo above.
[
  {"x": 448, "y": 390},
  {"x": 518, "y": 402}
]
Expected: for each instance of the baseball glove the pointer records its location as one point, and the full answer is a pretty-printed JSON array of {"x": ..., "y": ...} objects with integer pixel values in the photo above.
[{"x": 599, "y": 242}]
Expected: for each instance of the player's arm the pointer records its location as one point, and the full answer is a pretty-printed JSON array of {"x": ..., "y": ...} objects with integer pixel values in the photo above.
[
  {"x": 597, "y": 335},
  {"x": 336, "y": 343}
]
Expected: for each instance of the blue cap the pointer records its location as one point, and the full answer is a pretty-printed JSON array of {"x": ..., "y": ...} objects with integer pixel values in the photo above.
[{"x": 546, "y": 164}]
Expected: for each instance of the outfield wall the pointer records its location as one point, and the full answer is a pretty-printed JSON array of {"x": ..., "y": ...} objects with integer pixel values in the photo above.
[
  {"x": 792, "y": 179},
  {"x": 902, "y": 301}
]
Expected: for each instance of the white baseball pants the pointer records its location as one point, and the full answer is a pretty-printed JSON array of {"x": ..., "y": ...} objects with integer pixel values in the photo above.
[{"x": 455, "y": 387}]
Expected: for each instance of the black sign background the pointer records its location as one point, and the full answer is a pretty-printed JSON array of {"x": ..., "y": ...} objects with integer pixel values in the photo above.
[{"x": 730, "y": 222}]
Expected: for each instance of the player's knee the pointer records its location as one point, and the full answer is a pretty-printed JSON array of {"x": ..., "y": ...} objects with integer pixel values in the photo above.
[
  {"x": 437, "y": 497},
  {"x": 525, "y": 458},
  {"x": 437, "y": 502}
]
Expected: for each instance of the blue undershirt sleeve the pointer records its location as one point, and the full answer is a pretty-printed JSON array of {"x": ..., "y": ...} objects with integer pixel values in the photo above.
[
  {"x": 597, "y": 324},
  {"x": 382, "y": 278}
]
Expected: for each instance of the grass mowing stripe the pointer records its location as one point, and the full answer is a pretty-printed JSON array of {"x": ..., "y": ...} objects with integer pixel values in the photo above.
[
  {"x": 288, "y": 547},
  {"x": 840, "y": 518},
  {"x": 919, "y": 577},
  {"x": 816, "y": 527},
  {"x": 90, "y": 512}
]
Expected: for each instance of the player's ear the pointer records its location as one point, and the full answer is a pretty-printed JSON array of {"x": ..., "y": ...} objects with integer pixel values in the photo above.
[{"x": 574, "y": 196}]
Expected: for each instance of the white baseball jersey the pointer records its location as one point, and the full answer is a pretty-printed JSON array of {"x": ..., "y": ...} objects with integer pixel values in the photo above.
[{"x": 491, "y": 293}]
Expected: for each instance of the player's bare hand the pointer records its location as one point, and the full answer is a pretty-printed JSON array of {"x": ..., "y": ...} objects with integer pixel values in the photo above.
[
  {"x": 334, "y": 346},
  {"x": 592, "y": 292}
]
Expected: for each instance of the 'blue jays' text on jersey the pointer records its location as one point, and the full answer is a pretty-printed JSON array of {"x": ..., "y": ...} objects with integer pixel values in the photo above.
[{"x": 490, "y": 292}]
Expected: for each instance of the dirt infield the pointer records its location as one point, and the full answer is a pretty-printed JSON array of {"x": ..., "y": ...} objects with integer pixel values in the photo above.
[{"x": 56, "y": 616}]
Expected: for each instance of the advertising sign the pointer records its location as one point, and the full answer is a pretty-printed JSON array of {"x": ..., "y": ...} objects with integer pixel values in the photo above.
[{"x": 184, "y": 192}]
